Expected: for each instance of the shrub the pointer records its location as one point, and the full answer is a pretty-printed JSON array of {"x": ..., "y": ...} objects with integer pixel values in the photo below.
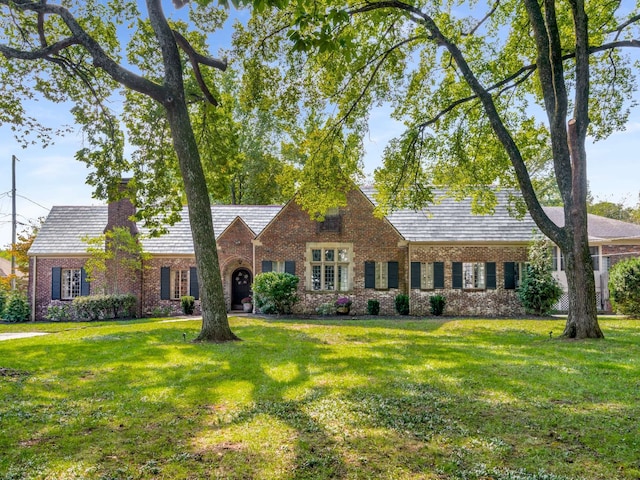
[
  {"x": 326, "y": 309},
  {"x": 102, "y": 307},
  {"x": 624, "y": 287},
  {"x": 58, "y": 311},
  {"x": 539, "y": 291},
  {"x": 188, "y": 304},
  {"x": 402, "y": 304},
  {"x": 373, "y": 307},
  {"x": 161, "y": 311},
  {"x": 3, "y": 299},
  {"x": 17, "y": 308},
  {"x": 275, "y": 292},
  {"x": 437, "y": 303}
]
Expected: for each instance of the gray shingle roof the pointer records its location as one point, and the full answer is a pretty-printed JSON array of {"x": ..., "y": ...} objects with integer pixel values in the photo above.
[
  {"x": 600, "y": 228},
  {"x": 64, "y": 228},
  {"x": 179, "y": 240},
  {"x": 450, "y": 220}
]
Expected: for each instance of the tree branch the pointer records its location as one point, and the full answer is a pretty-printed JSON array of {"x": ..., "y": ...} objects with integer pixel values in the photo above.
[
  {"x": 484, "y": 19},
  {"x": 80, "y": 37},
  {"x": 196, "y": 59}
]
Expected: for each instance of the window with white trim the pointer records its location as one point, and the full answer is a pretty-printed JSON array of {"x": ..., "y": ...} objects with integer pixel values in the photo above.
[
  {"x": 70, "y": 283},
  {"x": 179, "y": 284},
  {"x": 473, "y": 275},
  {"x": 329, "y": 267}
]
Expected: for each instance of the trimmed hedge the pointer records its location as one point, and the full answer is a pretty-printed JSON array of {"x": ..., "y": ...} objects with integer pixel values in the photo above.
[{"x": 93, "y": 307}]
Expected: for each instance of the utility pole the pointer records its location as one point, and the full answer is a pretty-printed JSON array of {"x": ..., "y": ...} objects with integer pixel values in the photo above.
[{"x": 13, "y": 222}]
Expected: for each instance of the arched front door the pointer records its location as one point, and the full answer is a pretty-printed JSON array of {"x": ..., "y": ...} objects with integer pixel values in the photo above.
[{"x": 240, "y": 287}]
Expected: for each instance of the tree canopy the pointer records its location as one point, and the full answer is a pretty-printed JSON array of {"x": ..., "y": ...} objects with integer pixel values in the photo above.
[{"x": 486, "y": 92}]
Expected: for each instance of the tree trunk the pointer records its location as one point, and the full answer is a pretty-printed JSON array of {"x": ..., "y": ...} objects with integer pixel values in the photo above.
[
  {"x": 582, "y": 320},
  {"x": 215, "y": 324}
]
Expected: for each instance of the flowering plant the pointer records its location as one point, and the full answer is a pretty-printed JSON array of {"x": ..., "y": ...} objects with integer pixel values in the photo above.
[
  {"x": 343, "y": 302},
  {"x": 246, "y": 300}
]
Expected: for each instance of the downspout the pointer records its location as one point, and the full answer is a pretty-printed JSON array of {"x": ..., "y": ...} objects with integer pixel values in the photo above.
[
  {"x": 34, "y": 289},
  {"x": 408, "y": 277}
]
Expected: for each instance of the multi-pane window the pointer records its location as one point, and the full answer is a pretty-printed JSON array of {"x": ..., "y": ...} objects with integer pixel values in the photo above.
[
  {"x": 426, "y": 276},
  {"x": 473, "y": 275},
  {"x": 382, "y": 275},
  {"x": 70, "y": 283},
  {"x": 329, "y": 267},
  {"x": 179, "y": 283}
]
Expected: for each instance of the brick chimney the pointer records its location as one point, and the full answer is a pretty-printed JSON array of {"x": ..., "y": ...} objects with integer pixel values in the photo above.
[{"x": 121, "y": 209}]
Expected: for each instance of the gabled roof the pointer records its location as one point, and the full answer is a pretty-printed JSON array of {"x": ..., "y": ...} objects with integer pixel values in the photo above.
[
  {"x": 450, "y": 220},
  {"x": 64, "y": 228},
  {"x": 179, "y": 240},
  {"x": 600, "y": 228}
]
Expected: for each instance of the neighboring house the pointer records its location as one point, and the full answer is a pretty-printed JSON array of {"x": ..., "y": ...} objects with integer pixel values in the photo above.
[
  {"x": 475, "y": 261},
  {"x": 609, "y": 241},
  {"x": 5, "y": 271}
]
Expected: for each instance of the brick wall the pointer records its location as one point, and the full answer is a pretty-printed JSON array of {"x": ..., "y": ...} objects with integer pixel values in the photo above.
[
  {"x": 498, "y": 302},
  {"x": 620, "y": 252},
  {"x": 150, "y": 297},
  {"x": 43, "y": 267},
  {"x": 371, "y": 239}
]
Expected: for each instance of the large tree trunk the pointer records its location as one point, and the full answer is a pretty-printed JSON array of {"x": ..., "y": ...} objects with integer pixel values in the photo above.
[
  {"x": 215, "y": 324},
  {"x": 582, "y": 320}
]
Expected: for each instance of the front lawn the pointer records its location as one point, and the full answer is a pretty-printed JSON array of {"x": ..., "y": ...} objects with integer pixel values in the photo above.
[{"x": 397, "y": 399}]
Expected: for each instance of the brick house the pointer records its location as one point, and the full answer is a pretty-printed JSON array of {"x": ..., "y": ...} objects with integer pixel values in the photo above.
[{"x": 474, "y": 261}]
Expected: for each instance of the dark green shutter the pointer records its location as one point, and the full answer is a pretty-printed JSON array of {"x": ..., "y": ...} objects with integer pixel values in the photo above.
[
  {"x": 438, "y": 274},
  {"x": 490, "y": 269},
  {"x": 194, "y": 287},
  {"x": 290, "y": 267},
  {"x": 369, "y": 274},
  {"x": 456, "y": 271},
  {"x": 165, "y": 283},
  {"x": 392, "y": 274},
  {"x": 85, "y": 288},
  {"x": 56, "y": 283},
  {"x": 415, "y": 274},
  {"x": 509, "y": 275},
  {"x": 266, "y": 266}
]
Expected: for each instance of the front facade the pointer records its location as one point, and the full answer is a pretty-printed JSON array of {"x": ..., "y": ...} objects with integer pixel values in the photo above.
[{"x": 473, "y": 261}]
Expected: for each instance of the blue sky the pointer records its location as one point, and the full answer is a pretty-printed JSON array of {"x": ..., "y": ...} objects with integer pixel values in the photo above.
[{"x": 51, "y": 176}]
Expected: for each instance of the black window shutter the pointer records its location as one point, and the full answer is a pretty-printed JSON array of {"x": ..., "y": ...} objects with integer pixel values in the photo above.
[
  {"x": 266, "y": 266},
  {"x": 438, "y": 274},
  {"x": 85, "y": 287},
  {"x": 165, "y": 283},
  {"x": 290, "y": 267},
  {"x": 56, "y": 283},
  {"x": 490, "y": 268},
  {"x": 392, "y": 275},
  {"x": 509, "y": 275},
  {"x": 369, "y": 274},
  {"x": 415, "y": 274},
  {"x": 456, "y": 270},
  {"x": 194, "y": 287}
]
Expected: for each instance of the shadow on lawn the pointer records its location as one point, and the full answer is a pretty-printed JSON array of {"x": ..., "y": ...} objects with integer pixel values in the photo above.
[{"x": 134, "y": 396}]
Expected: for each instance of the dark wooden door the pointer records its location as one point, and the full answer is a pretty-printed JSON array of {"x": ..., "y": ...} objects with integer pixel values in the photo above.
[{"x": 240, "y": 287}]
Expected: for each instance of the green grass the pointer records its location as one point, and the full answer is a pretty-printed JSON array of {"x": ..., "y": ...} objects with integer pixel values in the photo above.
[{"x": 432, "y": 399}]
